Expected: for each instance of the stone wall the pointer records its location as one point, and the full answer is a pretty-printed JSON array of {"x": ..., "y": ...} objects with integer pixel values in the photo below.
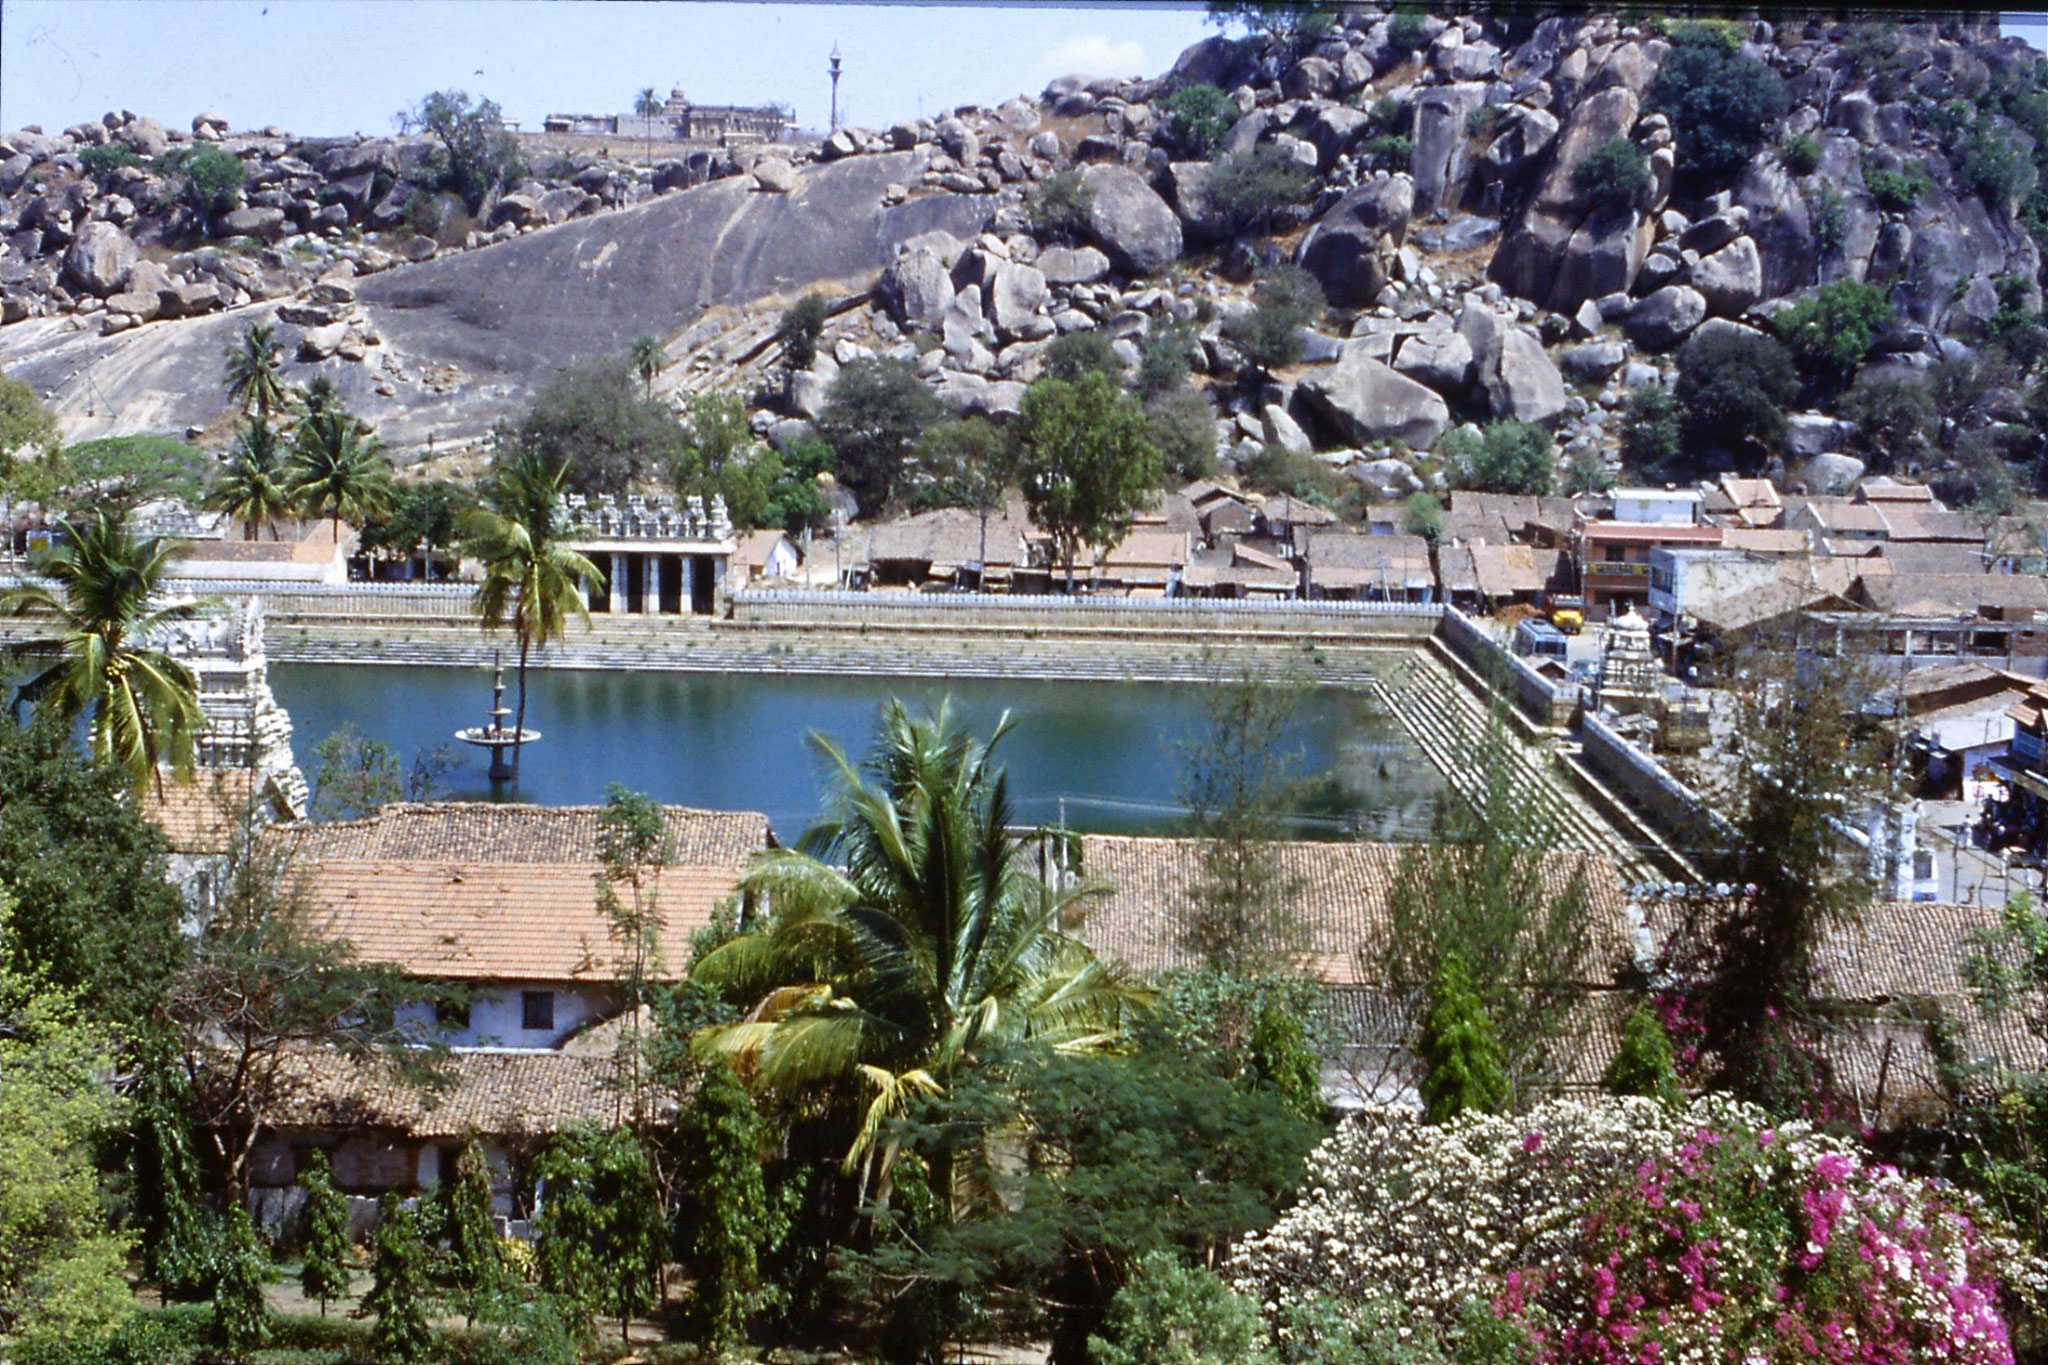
[
  {"x": 1390, "y": 621},
  {"x": 1676, "y": 810},
  {"x": 1549, "y": 704}
]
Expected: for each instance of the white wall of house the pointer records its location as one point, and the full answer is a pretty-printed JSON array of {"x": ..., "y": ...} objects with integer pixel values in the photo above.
[
  {"x": 498, "y": 1017},
  {"x": 1657, "y": 506}
]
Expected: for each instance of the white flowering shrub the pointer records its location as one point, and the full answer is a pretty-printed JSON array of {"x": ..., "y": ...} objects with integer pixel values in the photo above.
[{"x": 1622, "y": 1232}]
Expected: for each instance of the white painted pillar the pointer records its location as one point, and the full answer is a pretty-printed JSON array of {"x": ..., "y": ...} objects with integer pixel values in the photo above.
[
  {"x": 689, "y": 584},
  {"x": 650, "y": 590},
  {"x": 617, "y": 603}
]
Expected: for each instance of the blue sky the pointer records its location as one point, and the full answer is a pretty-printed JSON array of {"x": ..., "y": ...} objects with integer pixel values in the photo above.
[{"x": 340, "y": 66}]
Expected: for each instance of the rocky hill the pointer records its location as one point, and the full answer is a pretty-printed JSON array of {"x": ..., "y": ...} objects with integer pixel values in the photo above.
[{"x": 1510, "y": 218}]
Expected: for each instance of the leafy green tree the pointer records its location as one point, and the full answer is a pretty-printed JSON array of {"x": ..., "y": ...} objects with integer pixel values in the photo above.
[
  {"x": 250, "y": 486},
  {"x": 649, "y": 358},
  {"x": 1463, "y": 1067},
  {"x": 102, "y": 603},
  {"x": 1199, "y": 116},
  {"x": 1614, "y": 177},
  {"x": 255, "y": 372},
  {"x": 1721, "y": 101},
  {"x": 1248, "y": 189},
  {"x": 593, "y": 422},
  {"x": 728, "y": 1218},
  {"x": 1733, "y": 388},
  {"x": 1833, "y": 328},
  {"x": 1895, "y": 191},
  {"x": 323, "y": 1274},
  {"x": 1087, "y": 463},
  {"x": 338, "y": 469},
  {"x": 211, "y": 176},
  {"x": 356, "y": 776},
  {"x": 1061, "y": 207},
  {"x": 1511, "y": 457},
  {"x": 1284, "y": 301},
  {"x": 798, "y": 330},
  {"x": 1284, "y": 23},
  {"x": 60, "y": 1263},
  {"x": 476, "y": 1258},
  {"x": 163, "y": 1166},
  {"x": 241, "y": 1320},
  {"x": 477, "y": 150},
  {"x": 568, "y": 1230},
  {"x": 972, "y": 464},
  {"x": 873, "y": 414},
  {"x": 1283, "y": 1060},
  {"x": 28, "y": 430},
  {"x": 634, "y": 844},
  {"x": 400, "y": 1292},
  {"x": 531, "y": 581},
  {"x": 1652, "y": 432},
  {"x": 420, "y": 519},
  {"x": 1895, "y": 418},
  {"x": 1483, "y": 887},
  {"x": 1406, "y": 31},
  {"x": 906, "y": 932},
  {"x": 1168, "y": 1313},
  {"x": 1238, "y": 783},
  {"x": 1644, "y": 1064},
  {"x": 1082, "y": 353}
]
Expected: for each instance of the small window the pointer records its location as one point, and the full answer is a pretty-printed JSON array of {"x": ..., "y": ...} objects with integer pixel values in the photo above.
[{"x": 537, "y": 1009}]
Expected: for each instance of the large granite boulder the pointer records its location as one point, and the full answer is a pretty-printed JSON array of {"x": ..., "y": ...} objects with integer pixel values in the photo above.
[
  {"x": 1130, "y": 222},
  {"x": 917, "y": 287},
  {"x": 1441, "y": 161},
  {"x": 99, "y": 259},
  {"x": 1661, "y": 320},
  {"x": 1731, "y": 279},
  {"x": 1442, "y": 360},
  {"x": 1015, "y": 294},
  {"x": 1365, "y": 402},
  {"x": 1561, "y": 253},
  {"x": 1072, "y": 265},
  {"x": 1524, "y": 386},
  {"x": 1351, "y": 250}
]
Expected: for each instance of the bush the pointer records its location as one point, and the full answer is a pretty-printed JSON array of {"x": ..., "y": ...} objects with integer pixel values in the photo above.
[
  {"x": 595, "y": 418},
  {"x": 1172, "y": 1314},
  {"x": 1650, "y": 436},
  {"x": 1284, "y": 301},
  {"x": 138, "y": 468},
  {"x": 111, "y": 156},
  {"x": 1276, "y": 469},
  {"x": 1199, "y": 117},
  {"x": 1183, "y": 430},
  {"x": 1574, "y": 1201},
  {"x": 1802, "y": 154},
  {"x": 1613, "y": 177},
  {"x": 1733, "y": 389},
  {"x": 1392, "y": 150},
  {"x": 1085, "y": 352},
  {"x": 1895, "y": 191},
  {"x": 1719, "y": 100},
  {"x": 1166, "y": 358},
  {"x": 1247, "y": 189},
  {"x": 1830, "y": 219},
  {"x": 1407, "y": 31},
  {"x": 801, "y": 324},
  {"x": 212, "y": 177},
  {"x": 1895, "y": 420},
  {"x": 873, "y": 415},
  {"x": 1832, "y": 329},
  {"x": 1422, "y": 515},
  {"x": 1993, "y": 167},
  {"x": 1060, "y": 207},
  {"x": 1510, "y": 457}
]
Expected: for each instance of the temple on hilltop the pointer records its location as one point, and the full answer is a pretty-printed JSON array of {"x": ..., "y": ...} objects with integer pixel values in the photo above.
[{"x": 680, "y": 120}]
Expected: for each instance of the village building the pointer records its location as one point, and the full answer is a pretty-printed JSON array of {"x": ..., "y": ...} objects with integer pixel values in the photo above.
[
  {"x": 655, "y": 556},
  {"x": 503, "y": 901},
  {"x": 683, "y": 120},
  {"x": 766, "y": 556},
  {"x": 1345, "y": 566},
  {"x": 1613, "y": 554}
]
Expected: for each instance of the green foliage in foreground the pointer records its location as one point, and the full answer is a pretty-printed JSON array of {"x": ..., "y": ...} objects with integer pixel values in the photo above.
[{"x": 1174, "y": 1314}]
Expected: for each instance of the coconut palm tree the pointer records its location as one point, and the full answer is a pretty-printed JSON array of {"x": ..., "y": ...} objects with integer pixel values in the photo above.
[
  {"x": 648, "y": 107},
  {"x": 251, "y": 485},
  {"x": 906, "y": 933},
  {"x": 648, "y": 357},
  {"x": 102, "y": 591},
  {"x": 255, "y": 375},
  {"x": 531, "y": 581},
  {"x": 338, "y": 469}
]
